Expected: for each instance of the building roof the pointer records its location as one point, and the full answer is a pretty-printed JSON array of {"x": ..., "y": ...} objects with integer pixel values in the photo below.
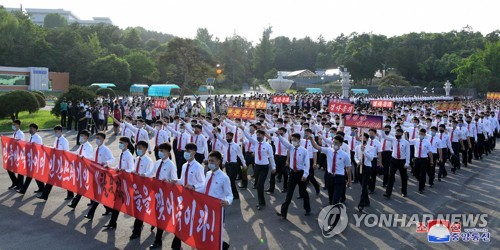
[{"x": 297, "y": 73}]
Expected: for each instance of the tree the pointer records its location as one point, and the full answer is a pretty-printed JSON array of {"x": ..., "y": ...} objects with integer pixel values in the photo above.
[
  {"x": 263, "y": 54},
  {"x": 74, "y": 94},
  {"x": 392, "y": 79},
  {"x": 234, "y": 59},
  {"x": 186, "y": 62},
  {"x": 40, "y": 99},
  {"x": 54, "y": 20},
  {"x": 111, "y": 69},
  {"x": 132, "y": 39},
  {"x": 142, "y": 68},
  {"x": 105, "y": 92},
  {"x": 16, "y": 101}
]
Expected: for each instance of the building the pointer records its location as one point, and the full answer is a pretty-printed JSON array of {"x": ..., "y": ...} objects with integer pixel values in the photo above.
[
  {"x": 38, "y": 16},
  {"x": 32, "y": 78}
]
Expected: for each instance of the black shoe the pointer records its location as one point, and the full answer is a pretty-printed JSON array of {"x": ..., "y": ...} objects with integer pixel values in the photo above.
[
  {"x": 355, "y": 182},
  {"x": 307, "y": 213},
  {"x": 404, "y": 195},
  {"x": 41, "y": 197},
  {"x": 299, "y": 197},
  {"x": 284, "y": 191},
  {"x": 431, "y": 185},
  {"x": 243, "y": 187},
  {"x": 384, "y": 186},
  {"x": 89, "y": 204},
  {"x": 325, "y": 188},
  {"x": 387, "y": 195},
  {"x": 38, "y": 191},
  {"x": 12, "y": 187},
  {"x": 69, "y": 198},
  {"x": 281, "y": 215},
  {"x": 439, "y": 179},
  {"x": 21, "y": 191},
  {"x": 89, "y": 217},
  {"x": 152, "y": 228},
  {"x": 421, "y": 191},
  {"x": 254, "y": 187},
  {"x": 71, "y": 206},
  {"x": 134, "y": 236},
  {"x": 106, "y": 213},
  {"x": 371, "y": 192},
  {"x": 110, "y": 226},
  {"x": 155, "y": 245},
  {"x": 360, "y": 208},
  {"x": 318, "y": 193},
  {"x": 260, "y": 207},
  {"x": 269, "y": 192},
  {"x": 17, "y": 188},
  {"x": 278, "y": 180}
]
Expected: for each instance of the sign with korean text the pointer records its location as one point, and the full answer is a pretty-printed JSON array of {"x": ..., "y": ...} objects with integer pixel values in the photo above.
[
  {"x": 340, "y": 108},
  {"x": 363, "y": 121},
  {"x": 194, "y": 217},
  {"x": 382, "y": 104},
  {"x": 448, "y": 105},
  {"x": 281, "y": 99},
  {"x": 493, "y": 95},
  {"x": 161, "y": 103},
  {"x": 241, "y": 113},
  {"x": 256, "y": 104}
]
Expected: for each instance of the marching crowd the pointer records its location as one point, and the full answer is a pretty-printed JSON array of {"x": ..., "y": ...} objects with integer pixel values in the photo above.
[{"x": 209, "y": 152}]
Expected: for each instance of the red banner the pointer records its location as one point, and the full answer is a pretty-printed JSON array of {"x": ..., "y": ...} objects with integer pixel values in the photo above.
[
  {"x": 340, "y": 108},
  {"x": 194, "y": 217},
  {"x": 242, "y": 113},
  {"x": 493, "y": 95},
  {"x": 363, "y": 121},
  {"x": 256, "y": 104},
  {"x": 281, "y": 99},
  {"x": 448, "y": 106},
  {"x": 382, "y": 104},
  {"x": 161, "y": 103}
]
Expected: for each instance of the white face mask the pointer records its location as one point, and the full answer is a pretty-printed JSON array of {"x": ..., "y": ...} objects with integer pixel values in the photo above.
[
  {"x": 295, "y": 143},
  {"x": 336, "y": 147}
]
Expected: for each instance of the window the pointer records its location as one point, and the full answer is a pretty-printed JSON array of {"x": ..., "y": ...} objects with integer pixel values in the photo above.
[{"x": 14, "y": 80}]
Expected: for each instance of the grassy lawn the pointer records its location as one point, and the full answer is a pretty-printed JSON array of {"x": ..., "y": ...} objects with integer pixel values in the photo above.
[{"x": 43, "y": 118}]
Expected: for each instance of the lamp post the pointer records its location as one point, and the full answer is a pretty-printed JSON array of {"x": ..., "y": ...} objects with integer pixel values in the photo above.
[
  {"x": 346, "y": 83},
  {"x": 447, "y": 87}
]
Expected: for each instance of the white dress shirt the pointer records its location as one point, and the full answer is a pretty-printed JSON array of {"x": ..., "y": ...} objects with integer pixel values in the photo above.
[
  {"x": 423, "y": 145},
  {"x": 160, "y": 136},
  {"x": 280, "y": 149},
  {"x": 103, "y": 155},
  {"x": 300, "y": 154},
  {"x": 220, "y": 186},
  {"x": 35, "y": 138},
  {"x": 342, "y": 160},
  {"x": 182, "y": 138},
  {"x": 18, "y": 135},
  {"x": 435, "y": 143},
  {"x": 61, "y": 143},
  {"x": 367, "y": 155},
  {"x": 201, "y": 144},
  {"x": 308, "y": 146},
  {"x": 195, "y": 175},
  {"x": 86, "y": 150},
  {"x": 126, "y": 162},
  {"x": 144, "y": 165},
  {"x": 264, "y": 149},
  {"x": 404, "y": 149},
  {"x": 168, "y": 170},
  {"x": 232, "y": 150}
]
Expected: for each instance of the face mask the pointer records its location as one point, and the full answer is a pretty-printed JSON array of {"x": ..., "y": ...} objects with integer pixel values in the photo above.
[
  {"x": 13, "y": 127},
  {"x": 422, "y": 137},
  {"x": 460, "y": 125},
  {"x": 161, "y": 155},
  {"x": 441, "y": 131},
  {"x": 139, "y": 152},
  {"x": 387, "y": 132},
  {"x": 121, "y": 146},
  {"x": 477, "y": 119},
  {"x": 336, "y": 147},
  {"x": 56, "y": 134},
  {"x": 372, "y": 137},
  {"x": 469, "y": 121},
  {"x": 229, "y": 140},
  {"x": 364, "y": 142},
  {"x": 181, "y": 130},
  {"x": 398, "y": 137},
  {"x": 211, "y": 166},
  {"x": 82, "y": 139},
  {"x": 332, "y": 134},
  {"x": 433, "y": 133},
  {"x": 415, "y": 124},
  {"x": 353, "y": 133},
  {"x": 295, "y": 143},
  {"x": 187, "y": 155},
  {"x": 260, "y": 139},
  {"x": 98, "y": 142}
]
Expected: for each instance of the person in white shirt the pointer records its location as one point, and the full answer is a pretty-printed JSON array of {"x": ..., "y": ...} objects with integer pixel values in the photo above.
[
  {"x": 263, "y": 159},
  {"x": 201, "y": 142},
  {"x": 35, "y": 139},
  {"x": 182, "y": 138},
  {"x": 160, "y": 136},
  {"x": 60, "y": 143},
  {"x": 280, "y": 156},
  {"x": 338, "y": 164},
  {"x": 232, "y": 152},
  {"x": 104, "y": 157},
  {"x": 299, "y": 170},
  {"x": 17, "y": 181},
  {"x": 423, "y": 159},
  {"x": 86, "y": 151},
  {"x": 313, "y": 158},
  {"x": 456, "y": 144},
  {"x": 437, "y": 154},
  {"x": 376, "y": 161},
  {"x": 386, "y": 154},
  {"x": 400, "y": 161},
  {"x": 143, "y": 167},
  {"x": 363, "y": 155}
]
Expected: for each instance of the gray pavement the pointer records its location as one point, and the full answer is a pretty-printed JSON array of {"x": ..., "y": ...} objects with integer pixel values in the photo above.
[{"x": 28, "y": 223}]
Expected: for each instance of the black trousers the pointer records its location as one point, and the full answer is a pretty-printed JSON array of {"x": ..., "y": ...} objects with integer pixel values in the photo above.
[
  {"x": 336, "y": 187},
  {"x": 431, "y": 171},
  {"x": 456, "y": 155},
  {"x": 395, "y": 166},
  {"x": 373, "y": 175},
  {"x": 355, "y": 167},
  {"x": 76, "y": 200},
  {"x": 294, "y": 180},
  {"x": 465, "y": 153},
  {"x": 232, "y": 171},
  {"x": 280, "y": 169},
  {"x": 421, "y": 168},
  {"x": 179, "y": 161},
  {"x": 18, "y": 180},
  {"x": 470, "y": 152},
  {"x": 365, "y": 179},
  {"x": 94, "y": 206},
  {"x": 386, "y": 164},
  {"x": 260, "y": 177},
  {"x": 479, "y": 149},
  {"x": 442, "y": 165},
  {"x": 412, "y": 156},
  {"x": 114, "y": 217},
  {"x": 250, "y": 161},
  {"x": 311, "y": 178},
  {"x": 27, "y": 183},
  {"x": 64, "y": 113},
  {"x": 70, "y": 121},
  {"x": 137, "y": 226}
]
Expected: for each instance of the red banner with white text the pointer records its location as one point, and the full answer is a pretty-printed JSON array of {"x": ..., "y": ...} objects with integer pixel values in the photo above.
[
  {"x": 194, "y": 217},
  {"x": 160, "y": 103}
]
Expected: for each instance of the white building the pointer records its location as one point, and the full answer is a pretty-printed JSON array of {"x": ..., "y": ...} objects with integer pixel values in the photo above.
[{"x": 38, "y": 16}]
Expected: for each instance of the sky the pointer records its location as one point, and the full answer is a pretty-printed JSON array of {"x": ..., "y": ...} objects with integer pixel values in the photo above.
[{"x": 292, "y": 18}]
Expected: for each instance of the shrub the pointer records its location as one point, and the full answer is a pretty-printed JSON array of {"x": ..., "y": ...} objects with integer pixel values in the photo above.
[
  {"x": 40, "y": 99},
  {"x": 16, "y": 101}
]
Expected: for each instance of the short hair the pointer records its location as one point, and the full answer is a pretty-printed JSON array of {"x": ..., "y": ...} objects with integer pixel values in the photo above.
[
  {"x": 159, "y": 122},
  {"x": 165, "y": 146},
  {"x": 339, "y": 138},
  {"x": 387, "y": 126},
  {"x": 434, "y": 127},
  {"x": 296, "y": 136},
  {"x": 33, "y": 125},
  {"x": 230, "y": 134},
  {"x": 400, "y": 131},
  {"x": 282, "y": 129},
  {"x": 372, "y": 130},
  {"x": 58, "y": 128},
  {"x": 198, "y": 126},
  {"x": 191, "y": 146},
  {"x": 85, "y": 133},
  {"x": 216, "y": 154},
  {"x": 17, "y": 122},
  {"x": 423, "y": 130},
  {"x": 261, "y": 132},
  {"x": 143, "y": 144},
  {"x": 308, "y": 130},
  {"x": 101, "y": 134}
]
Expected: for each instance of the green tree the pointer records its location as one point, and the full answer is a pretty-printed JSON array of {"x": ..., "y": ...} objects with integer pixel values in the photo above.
[
  {"x": 234, "y": 59},
  {"x": 142, "y": 68},
  {"x": 74, "y": 94},
  {"x": 392, "y": 79},
  {"x": 40, "y": 99},
  {"x": 263, "y": 60},
  {"x": 54, "y": 20},
  {"x": 111, "y": 69},
  {"x": 131, "y": 38},
  {"x": 16, "y": 101}
]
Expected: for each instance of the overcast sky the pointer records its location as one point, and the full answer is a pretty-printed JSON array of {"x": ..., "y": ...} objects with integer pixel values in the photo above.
[{"x": 292, "y": 18}]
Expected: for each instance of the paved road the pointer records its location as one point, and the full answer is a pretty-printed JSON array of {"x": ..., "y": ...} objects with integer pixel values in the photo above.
[{"x": 28, "y": 223}]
